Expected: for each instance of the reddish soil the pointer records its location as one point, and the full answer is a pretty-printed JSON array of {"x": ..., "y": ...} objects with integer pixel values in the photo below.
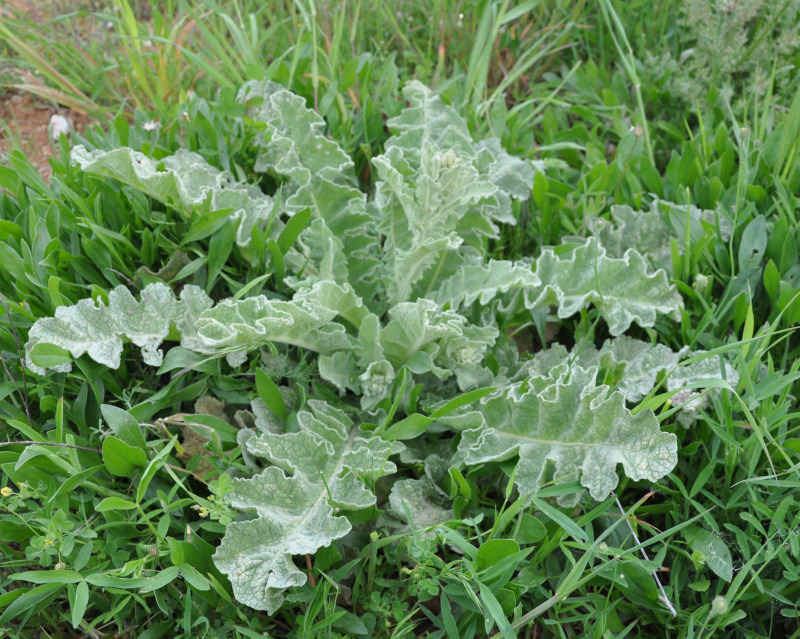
[{"x": 24, "y": 117}]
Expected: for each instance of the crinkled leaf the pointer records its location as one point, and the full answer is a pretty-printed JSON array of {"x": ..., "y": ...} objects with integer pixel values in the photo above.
[
  {"x": 437, "y": 190},
  {"x": 317, "y": 472},
  {"x": 625, "y": 290},
  {"x": 434, "y": 196},
  {"x": 318, "y": 255},
  {"x": 482, "y": 283},
  {"x": 428, "y": 118},
  {"x": 422, "y": 500},
  {"x": 639, "y": 364},
  {"x": 338, "y": 298},
  {"x": 419, "y": 500},
  {"x": 512, "y": 175},
  {"x": 183, "y": 181},
  {"x": 454, "y": 345},
  {"x": 636, "y": 364},
  {"x": 650, "y": 232},
  {"x": 635, "y": 368},
  {"x": 100, "y": 330},
  {"x": 579, "y": 427},
  {"x": 255, "y": 321},
  {"x": 710, "y": 368},
  {"x": 411, "y": 265},
  {"x": 321, "y": 177}
]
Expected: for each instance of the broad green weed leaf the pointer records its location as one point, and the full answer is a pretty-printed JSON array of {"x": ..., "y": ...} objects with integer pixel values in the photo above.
[
  {"x": 121, "y": 459},
  {"x": 49, "y": 576},
  {"x": 493, "y": 551},
  {"x": 715, "y": 551},
  {"x": 44, "y": 355},
  {"x": 78, "y": 604},
  {"x": 124, "y": 425},
  {"x": 114, "y": 503},
  {"x": 270, "y": 395},
  {"x": 152, "y": 468},
  {"x": 625, "y": 289}
]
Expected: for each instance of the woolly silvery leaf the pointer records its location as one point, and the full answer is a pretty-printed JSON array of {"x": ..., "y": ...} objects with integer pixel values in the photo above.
[
  {"x": 186, "y": 183},
  {"x": 410, "y": 266},
  {"x": 317, "y": 255},
  {"x": 438, "y": 190},
  {"x": 636, "y": 364},
  {"x": 100, "y": 330},
  {"x": 435, "y": 195},
  {"x": 428, "y": 118},
  {"x": 651, "y": 232},
  {"x": 419, "y": 500},
  {"x": 317, "y": 472},
  {"x": 454, "y": 345},
  {"x": 338, "y": 298},
  {"x": 710, "y": 368},
  {"x": 482, "y": 283},
  {"x": 255, "y": 321},
  {"x": 295, "y": 145},
  {"x": 639, "y": 363},
  {"x": 513, "y": 176},
  {"x": 321, "y": 176},
  {"x": 625, "y": 290},
  {"x": 566, "y": 420}
]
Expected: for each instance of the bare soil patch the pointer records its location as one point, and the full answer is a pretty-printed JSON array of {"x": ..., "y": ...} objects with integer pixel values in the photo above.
[{"x": 24, "y": 118}]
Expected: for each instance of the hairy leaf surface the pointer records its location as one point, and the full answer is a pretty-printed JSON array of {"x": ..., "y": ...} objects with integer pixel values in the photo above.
[
  {"x": 569, "y": 421},
  {"x": 186, "y": 183},
  {"x": 625, "y": 290},
  {"x": 100, "y": 330},
  {"x": 324, "y": 468}
]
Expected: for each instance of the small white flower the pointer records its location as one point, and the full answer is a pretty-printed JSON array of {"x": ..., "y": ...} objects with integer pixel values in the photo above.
[
  {"x": 59, "y": 125},
  {"x": 150, "y": 125}
]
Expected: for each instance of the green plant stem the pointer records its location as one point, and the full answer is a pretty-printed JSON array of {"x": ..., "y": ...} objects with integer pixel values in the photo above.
[
  {"x": 373, "y": 556},
  {"x": 620, "y": 39}
]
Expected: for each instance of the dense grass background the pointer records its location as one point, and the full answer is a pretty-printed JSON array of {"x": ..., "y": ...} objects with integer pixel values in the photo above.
[{"x": 694, "y": 102}]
